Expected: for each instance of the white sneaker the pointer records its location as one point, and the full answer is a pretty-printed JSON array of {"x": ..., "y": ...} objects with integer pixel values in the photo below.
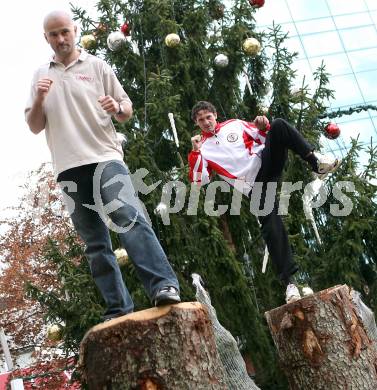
[
  {"x": 292, "y": 294},
  {"x": 326, "y": 165}
]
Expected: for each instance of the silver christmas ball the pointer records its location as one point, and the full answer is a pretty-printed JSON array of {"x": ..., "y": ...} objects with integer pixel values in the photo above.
[
  {"x": 221, "y": 61},
  {"x": 115, "y": 40}
]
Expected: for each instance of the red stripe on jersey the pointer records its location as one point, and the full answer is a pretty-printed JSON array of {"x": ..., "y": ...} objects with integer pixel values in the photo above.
[
  {"x": 248, "y": 140},
  {"x": 193, "y": 157},
  {"x": 220, "y": 170}
]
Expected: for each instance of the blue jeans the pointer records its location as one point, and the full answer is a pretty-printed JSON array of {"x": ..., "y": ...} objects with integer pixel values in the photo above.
[{"x": 108, "y": 189}]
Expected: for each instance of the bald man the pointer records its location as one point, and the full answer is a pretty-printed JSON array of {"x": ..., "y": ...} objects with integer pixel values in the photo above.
[{"x": 74, "y": 98}]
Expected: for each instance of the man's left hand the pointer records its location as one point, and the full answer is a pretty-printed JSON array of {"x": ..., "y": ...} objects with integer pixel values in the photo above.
[
  {"x": 109, "y": 104},
  {"x": 261, "y": 122}
]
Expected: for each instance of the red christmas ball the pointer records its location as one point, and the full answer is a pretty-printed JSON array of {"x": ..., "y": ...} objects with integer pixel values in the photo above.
[
  {"x": 126, "y": 28},
  {"x": 256, "y": 3},
  {"x": 332, "y": 130}
]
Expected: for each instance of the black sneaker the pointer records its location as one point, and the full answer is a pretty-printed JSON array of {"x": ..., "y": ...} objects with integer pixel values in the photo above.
[{"x": 166, "y": 296}]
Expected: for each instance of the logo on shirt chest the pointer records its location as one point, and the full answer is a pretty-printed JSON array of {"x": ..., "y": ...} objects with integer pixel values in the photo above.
[
  {"x": 232, "y": 137},
  {"x": 84, "y": 77}
]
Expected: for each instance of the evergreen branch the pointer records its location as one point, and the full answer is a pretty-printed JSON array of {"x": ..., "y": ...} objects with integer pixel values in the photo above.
[{"x": 351, "y": 110}]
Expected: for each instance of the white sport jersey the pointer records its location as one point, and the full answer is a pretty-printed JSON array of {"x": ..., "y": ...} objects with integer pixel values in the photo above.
[{"x": 233, "y": 151}]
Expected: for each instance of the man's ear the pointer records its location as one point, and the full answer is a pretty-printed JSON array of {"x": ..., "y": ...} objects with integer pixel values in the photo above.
[
  {"x": 44, "y": 34},
  {"x": 215, "y": 115}
]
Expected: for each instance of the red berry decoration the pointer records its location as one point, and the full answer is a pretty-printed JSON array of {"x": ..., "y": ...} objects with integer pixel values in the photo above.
[
  {"x": 256, "y": 3},
  {"x": 125, "y": 29},
  {"x": 332, "y": 131}
]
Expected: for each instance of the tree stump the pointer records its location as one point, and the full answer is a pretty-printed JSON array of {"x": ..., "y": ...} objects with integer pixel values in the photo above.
[
  {"x": 322, "y": 343},
  {"x": 170, "y": 347}
]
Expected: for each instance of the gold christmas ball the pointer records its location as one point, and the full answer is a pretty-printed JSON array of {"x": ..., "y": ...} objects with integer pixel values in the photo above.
[
  {"x": 54, "y": 333},
  {"x": 121, "y": 256},
  {"x": 263, "y": 110},
  {"x": 88, "y": 41},
  {"x": 251, "y": 46},
  {"x": 172, "y": 40}
]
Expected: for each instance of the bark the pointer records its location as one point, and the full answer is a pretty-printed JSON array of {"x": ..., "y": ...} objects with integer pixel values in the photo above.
[
  {"x": 322, "y": 344},
  {"x": 171, "y": 347},
  {"x": 224, "y": 226}
]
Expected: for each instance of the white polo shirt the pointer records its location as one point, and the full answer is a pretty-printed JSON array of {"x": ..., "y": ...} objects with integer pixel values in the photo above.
[{"x": 78, "y": 130}]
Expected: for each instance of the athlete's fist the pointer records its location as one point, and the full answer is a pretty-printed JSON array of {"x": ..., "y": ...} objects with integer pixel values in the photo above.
[
  {"x": 196, "y": 142},
  {"x": 261, "y": 122}
]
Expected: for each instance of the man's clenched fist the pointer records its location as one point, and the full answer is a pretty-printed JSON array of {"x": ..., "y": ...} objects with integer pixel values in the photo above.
[{"x": 196, "y": 142}]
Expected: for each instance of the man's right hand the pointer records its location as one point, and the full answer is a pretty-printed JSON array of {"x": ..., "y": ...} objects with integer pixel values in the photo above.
[
  {"x": 196, "y": 142},
  {"x": 43, "y": 87}
]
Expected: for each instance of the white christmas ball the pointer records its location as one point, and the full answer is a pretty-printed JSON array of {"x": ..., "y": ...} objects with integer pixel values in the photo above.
[
  {"x": 54, "y": 332},
  {"x": 172, "y": 40},
  {"x": 251, "y": 46},
  {"x": 115, "y": 40},
  {"x": 221, "y": 61},
  {"x": 121, "y": 256}
]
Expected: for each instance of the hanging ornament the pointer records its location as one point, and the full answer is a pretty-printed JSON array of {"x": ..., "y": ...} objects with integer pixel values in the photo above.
[
  {"x": 115, "y": 40},
  {"x": 216, "y": 9},
  {"x": 172, "y": 40},
  {"x": 256, "y": 3},
  {"x": 332, "y": 131},
  {"x": 221, "y": 61},
  {"x": 263, "y": 110},
  {"x": 251, "y": 46},
  {"x": 88, "y": 41},
  {"x": 121, "y": 256},
  {"x": 54, "y": 332},
  {"x": 126, "y": 29}
]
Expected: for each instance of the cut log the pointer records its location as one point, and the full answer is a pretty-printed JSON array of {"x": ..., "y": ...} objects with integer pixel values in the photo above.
[
  {"x": 171, "y": 347},
  {"x": 322, "y": 343}
]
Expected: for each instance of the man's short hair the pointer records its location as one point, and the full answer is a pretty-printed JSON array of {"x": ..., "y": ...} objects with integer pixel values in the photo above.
[{"x": 202, "y": 105}]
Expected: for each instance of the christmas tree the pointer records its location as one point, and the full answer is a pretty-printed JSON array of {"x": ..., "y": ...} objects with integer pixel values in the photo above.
[{"x": 168, "y": 55}]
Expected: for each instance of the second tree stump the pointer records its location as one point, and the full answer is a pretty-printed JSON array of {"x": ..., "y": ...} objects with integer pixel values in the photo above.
[{"x": 322, "y": 344}]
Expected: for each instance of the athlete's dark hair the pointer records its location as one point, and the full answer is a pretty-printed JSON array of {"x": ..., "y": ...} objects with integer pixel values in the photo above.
[{"x": 202, "y": 105}]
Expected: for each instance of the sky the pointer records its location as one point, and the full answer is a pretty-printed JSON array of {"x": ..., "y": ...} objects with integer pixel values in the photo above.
[{"x": 23, "y": 49}]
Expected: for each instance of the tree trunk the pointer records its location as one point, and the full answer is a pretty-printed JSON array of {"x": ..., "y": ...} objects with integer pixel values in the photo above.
[
  {"x": 224, "y": 226},
  {"x": 322, "y": 344},
  {"x": 171, "y": 347}
]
